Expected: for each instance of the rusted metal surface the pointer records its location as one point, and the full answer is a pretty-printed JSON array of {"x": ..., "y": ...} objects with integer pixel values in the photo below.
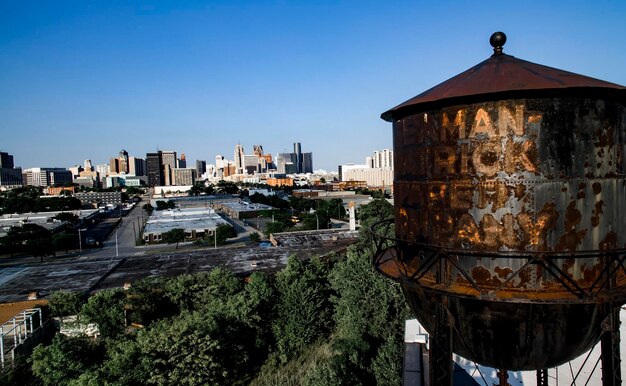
[{"x": 510, "y": 208}]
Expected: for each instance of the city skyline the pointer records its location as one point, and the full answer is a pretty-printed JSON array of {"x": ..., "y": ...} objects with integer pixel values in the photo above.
[{"x": 82, "y": 81}]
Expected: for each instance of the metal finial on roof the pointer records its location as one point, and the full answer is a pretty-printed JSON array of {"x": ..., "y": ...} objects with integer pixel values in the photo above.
[{"x": 497, "y": 40}]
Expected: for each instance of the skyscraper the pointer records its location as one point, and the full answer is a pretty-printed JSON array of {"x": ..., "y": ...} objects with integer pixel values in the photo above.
[
  {"x": 297, "y": 150},
  {"x": 9, "y": 175},
  {"x": 6, "y": 160},
  {"x": 136, "y": 166},
  {"x": 200, "y": 168},
  {"x": 182, "y": 162},
  {"x": 153, "y": 168},
  {"x": 168, "y": 163},
  {"x": 239, "y": 159}
]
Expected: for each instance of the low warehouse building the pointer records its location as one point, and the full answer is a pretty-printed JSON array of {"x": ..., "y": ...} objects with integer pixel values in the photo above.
[{"x": 196, "y": 222}]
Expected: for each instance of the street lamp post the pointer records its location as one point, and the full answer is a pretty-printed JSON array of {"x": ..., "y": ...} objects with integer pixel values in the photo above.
[
  {"x": 317, "y": 220},
  {"x": 117, "y": 251},
  {"x": 80, "y": 240}
]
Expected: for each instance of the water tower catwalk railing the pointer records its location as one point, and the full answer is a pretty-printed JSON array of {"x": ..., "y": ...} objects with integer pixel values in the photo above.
[{"x": 437, "y": 279}]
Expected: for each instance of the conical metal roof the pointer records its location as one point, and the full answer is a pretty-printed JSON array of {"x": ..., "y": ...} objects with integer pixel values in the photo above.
[{"x": 506, "y": 77}]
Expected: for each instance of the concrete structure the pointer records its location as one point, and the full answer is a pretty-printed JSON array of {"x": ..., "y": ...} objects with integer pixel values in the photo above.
[
  {"x": 304, "y": 238},
  {"x": 372, "y": 177},
  {"x": 57, "y": 190},
  {"x": 44, "y": 219},
  {"x": 46, "y": 176},
  {"x": 196, "y": 222},
  {"x": 382, "y": 159},
  {"x": 183, "y": 177},
  {"x": 278, "y": 182},
  {"x": 202, "y": 201},
  {"x": 97, "y": 199},
  {"x": 241, "y": 209}
]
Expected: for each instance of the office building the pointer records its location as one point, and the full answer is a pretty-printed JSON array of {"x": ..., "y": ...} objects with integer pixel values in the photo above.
[
  {"x": 120, "y": 164},
  {"x": 6, "y": 160},
  {"x": 153, "y": 169},
  {"x": 200, "y": 168},
  {"x": 9, "y": 175},
  {"x": 296, "y": 162},
  {"x": 382, "y": 159},
  {"x": 182, "y": 162},
  {"x": 184, "y": 177},
  {"x": 239, "y": 159},
  {"x": 46, "y": 177},
  {"x": 136, "y": 166},
  {"x": 168, "y": 163}
]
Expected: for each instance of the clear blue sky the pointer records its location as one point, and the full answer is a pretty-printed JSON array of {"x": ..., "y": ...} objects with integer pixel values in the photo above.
[{"x": 85, "y": 79}]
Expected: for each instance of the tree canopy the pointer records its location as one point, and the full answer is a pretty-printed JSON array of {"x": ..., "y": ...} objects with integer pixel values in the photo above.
[
  {"x": 175, "y": 235},
  {"x": 315, "y": 322}
]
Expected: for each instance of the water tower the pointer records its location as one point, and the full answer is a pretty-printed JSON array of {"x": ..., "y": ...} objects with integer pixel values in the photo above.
[{"x": 510, "y": 215}]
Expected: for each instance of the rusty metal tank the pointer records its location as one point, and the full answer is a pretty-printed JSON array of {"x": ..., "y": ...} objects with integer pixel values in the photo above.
[{"x": 510, "y": 209}]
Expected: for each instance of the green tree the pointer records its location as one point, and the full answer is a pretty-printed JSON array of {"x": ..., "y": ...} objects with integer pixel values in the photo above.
[
  {"x": 163, "y": 205},
  {"x": 64, "y": 303},
  {"x": 196, "y": 190},
  {"x": 175, "y": 235},
  {"x": 224, "y": 231},
  {"x": 63, "y": 360},
  {"x": 303, "y": 312},
  {"x": 148, "y": 208},
  {"x": 125, "y": 363},
  {"x": 193, "y": 349},
  {"x": 273, "y": 227},
  {"x": 227, "y": 187},
  {"x": 32, "y": 239},
  {"x": 203, "y": 289},
  {"x": 106, "y": 309},
  {"x": 367, "y": 307},
  {"x": 64, "y": 241},
  {"x": 255, "y": 236},
  {"x": 369, "y": 214},
  {"x": 147, "y": 301}
]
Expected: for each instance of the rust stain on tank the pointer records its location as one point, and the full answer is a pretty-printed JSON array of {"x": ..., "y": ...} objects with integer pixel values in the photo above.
[
  {"x": 572, "y": 216},
  {"x": 595, "y": 219},
  {"x": 535, "y": 231},
  {"x": 590, "y": 274},
  {"x": 572, "y": 238},
  {"x": 609, "y": 242},
  {"x": 483, "y": 276},
  {"x": 520, "y": 191},
  {"x": 503, "y": 273},
  {"x": 597, "y": 188}
]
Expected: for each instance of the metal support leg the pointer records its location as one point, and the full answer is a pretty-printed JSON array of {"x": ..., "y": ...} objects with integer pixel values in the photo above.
[
  {"x": 441, "y": 365},
  {"x": 611, "y": 373},
  {"x": 542, "y": 377}
]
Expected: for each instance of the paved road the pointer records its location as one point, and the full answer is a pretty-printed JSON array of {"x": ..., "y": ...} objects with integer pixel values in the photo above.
[{"x": 122, "y": 240}]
